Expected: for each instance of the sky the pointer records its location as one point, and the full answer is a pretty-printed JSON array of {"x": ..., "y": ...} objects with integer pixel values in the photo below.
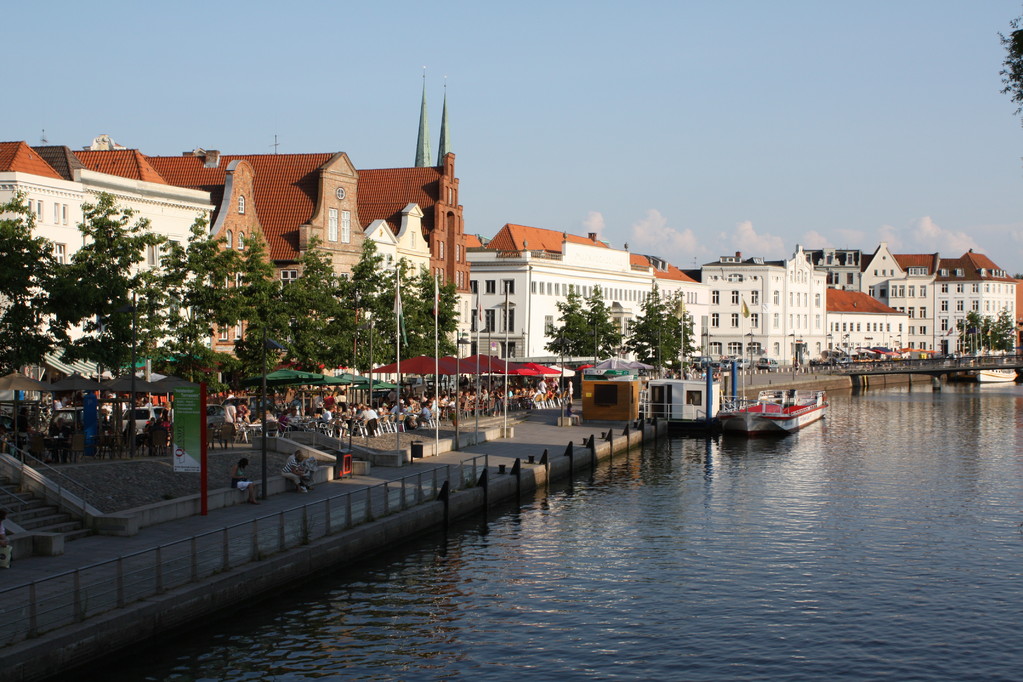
[{"x": 687, "y": 130}]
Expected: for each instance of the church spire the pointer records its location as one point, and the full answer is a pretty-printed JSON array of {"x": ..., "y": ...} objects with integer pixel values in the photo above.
[
  {"x": 423, "y": 143},
  {"x": 445, "y": 141}
]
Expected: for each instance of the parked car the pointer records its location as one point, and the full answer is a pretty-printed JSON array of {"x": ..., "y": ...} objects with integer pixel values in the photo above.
[
  {"x": 703, "y": 361},
  {"x": 769, "y": 364},
  {"x": 142, "y": 415}
]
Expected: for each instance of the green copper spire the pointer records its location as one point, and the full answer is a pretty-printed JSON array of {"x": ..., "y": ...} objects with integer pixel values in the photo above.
[
  {"x": 445, "y": 140},
  {"x": 423, "y": 143}
]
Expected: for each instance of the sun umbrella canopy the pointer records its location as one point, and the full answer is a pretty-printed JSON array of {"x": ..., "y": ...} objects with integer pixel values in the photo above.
[
  {"x": 482, "y": 364},
  {"x": 421, "y": 364},
  {"x": 16, "y": 381},
  {"x": 284, "y": 377},
  {"x": 169, "y": 383},
  {"x": 541, "y": 370},
  {"x": 122, "y": 384},
  {"x": 76, "y": 382}
]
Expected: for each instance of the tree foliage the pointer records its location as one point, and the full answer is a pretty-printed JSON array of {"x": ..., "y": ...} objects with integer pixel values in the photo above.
[
  {"x": 1012, "y": 67},
  {"x": 96, "y": 290},
  {"x": 606, "y": 339},
  {"x": 572, "y": 336},
  {"x": 27, "y": 331},
  {"x": 979, "y": 333}
]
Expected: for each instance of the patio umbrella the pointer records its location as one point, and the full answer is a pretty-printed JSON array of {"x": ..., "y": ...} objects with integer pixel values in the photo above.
[
  {"x": 122, "y": 384},
  {"x": 421, "y": 364},
  {"x": 76, "y": 382},
  {"x": 524, "y": 372},
  {"x": 284, "y": 377},
  {"x": 16, "y": 381},
  {"x": 543, "y": 370},
  {"x": 169, "y": 383},
  {"x": 482, "y": 364}
]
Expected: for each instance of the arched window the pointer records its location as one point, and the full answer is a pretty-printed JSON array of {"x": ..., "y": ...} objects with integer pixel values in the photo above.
[
  {"x": 241, "y": 241},
  {"x": 241, "y": 203},
  {"x": 230, "y": 239}
]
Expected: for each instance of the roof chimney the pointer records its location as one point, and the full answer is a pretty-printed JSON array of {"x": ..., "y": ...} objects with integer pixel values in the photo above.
[
  {"x": 593, "y": 236},
  {"x": 210, "y": 157},
  {"x": 738, "y": 255}
]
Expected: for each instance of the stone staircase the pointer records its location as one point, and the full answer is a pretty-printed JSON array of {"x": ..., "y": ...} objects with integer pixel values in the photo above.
[{"x": 35, "y": 516}]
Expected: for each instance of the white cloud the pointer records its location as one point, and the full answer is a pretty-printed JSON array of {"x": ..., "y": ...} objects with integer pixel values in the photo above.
[
  {"x": 745, "y": 239},
  {"x": 815, "y": 240},
  {"x": 929, "y": 236},
  {"x": 594, "y": 222},
  {"x": 653, "y": 235}
]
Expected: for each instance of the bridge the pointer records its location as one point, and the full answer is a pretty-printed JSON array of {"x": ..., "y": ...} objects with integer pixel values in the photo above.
[{"x": 934, "y": 367}]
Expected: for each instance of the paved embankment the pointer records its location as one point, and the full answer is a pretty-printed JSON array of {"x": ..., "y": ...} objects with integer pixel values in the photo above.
[{"x": 115, "y": 591}]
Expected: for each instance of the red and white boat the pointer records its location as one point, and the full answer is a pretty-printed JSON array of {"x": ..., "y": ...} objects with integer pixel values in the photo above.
[{"x": 773, "y": 412}]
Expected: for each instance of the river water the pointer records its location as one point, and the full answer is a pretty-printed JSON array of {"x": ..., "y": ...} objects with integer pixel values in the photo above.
[{"x": 882, "y": 543}]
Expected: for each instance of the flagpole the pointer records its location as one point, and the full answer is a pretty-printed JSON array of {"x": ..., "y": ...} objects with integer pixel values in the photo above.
[
  {"x": 397, "y": 342},
  {"x": 436, "y": 367},
  {"x": 478, "y": 368}
]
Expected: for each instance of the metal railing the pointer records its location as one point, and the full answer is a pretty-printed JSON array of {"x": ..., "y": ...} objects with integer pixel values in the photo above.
[
  {"x": 70, "y": 495},
  {"x": 33, "y": 608}
]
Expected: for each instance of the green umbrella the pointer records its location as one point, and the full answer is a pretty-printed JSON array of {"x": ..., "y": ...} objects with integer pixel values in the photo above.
[{"x": 284, "y": 377}]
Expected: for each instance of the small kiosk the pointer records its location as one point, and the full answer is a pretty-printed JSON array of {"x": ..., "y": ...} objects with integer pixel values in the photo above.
[{"x": 612, "y": 395}]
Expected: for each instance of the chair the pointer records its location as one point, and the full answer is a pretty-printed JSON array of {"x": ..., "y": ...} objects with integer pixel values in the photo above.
[
  {"x": 77, "y": 446},
  {"x": 37, "y": 446},
  {"x": 227, "y": 432},
  {"x": 159, "y": 440}
]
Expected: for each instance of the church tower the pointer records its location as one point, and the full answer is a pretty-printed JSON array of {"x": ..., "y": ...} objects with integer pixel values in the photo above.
[
  {"x": 445, "y": 140},
  {"x": 423, "y": 143}
]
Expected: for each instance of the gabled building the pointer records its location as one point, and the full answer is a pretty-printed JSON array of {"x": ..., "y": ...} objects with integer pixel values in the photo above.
[
  {"x": 905, "y": 282},
  {"x": 766, "y": 308},
  {"x": 970, "y": 283},
  {"x": 842, "y": 266}
]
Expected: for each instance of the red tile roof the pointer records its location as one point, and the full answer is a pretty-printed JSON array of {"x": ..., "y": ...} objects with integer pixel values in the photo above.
[
  {"x": 472, "y": 241},
  {"x": 639, "y": 259},
  {"x": 842, "y": 301},
  {"x": 286, "y": 186},
  {"x": 18, "y": 157},
  {"x": 972, "y": 264},
  {"x": 384, "y": 192},
  {"x": 673, "y": 273},
  {"x": 126, "y": 163},
  {"x": 917, "y": 260},
  {"x": 520, "y": 237}
]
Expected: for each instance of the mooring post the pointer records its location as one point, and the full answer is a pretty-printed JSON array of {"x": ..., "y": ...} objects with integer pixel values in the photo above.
[
  {"x": 444, "y": 496},
  {"x": 570, "y": 453},
  {"x": 517, "y": 471},
  {"x": 484, "y": 483},
  {"x": 593, "y": 452}
]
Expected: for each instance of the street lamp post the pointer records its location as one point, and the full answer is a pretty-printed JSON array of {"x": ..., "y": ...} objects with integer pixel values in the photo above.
[
  {"x": 133, "y": 309},
  {"x": 267, "y": 345},
  {"x": 561, "y": 382}
]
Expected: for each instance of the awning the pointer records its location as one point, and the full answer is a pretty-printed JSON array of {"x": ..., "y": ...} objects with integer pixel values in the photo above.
[{"x": 53, "y": 361}]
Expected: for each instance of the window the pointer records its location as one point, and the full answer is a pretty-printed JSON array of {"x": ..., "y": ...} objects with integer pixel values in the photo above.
[
  {"x": 238, "y": 332},
  {"x": 777, "y": 321},
  {"x": 491, "y": 286},
  {"x": 440, "y": 250},
  {"x": 735, "y": 348},
  {"x": 229, "y": 239},
  {"x": 153, "y": 255},
  {"x": 715, "y": 320},
  {"x": 241, "y": 241},
  {"x": 944, "y": 288},
  {"x": 735, "y": 319},
  {"x": 60, "y": 253},
  {"x": 816, "y": 300},
  {"x": 288, "y": 276},
  {"x": 548, "y": 325},
  {"x": 944, "y": 306},
  {"x": 754, "y": 297},
  {"x": 754, "y": 320},
  {"x": 923, "y": 312},
  {"x": 735, "y": 298},
  {"x": 976, "y": 305},
  {"x": 64, "y": 213},
  {"x": 39, "y": 210},
  {"x": 715, "y": 297},
  {"x": 490, "y": 317},
  {"x": 332, "y": 225},
  {"x": 959, "y": 306},
  {"x": 241, "y": 204},
  {"x": 777, "y": 298},
  {"x": 509, "y": 320},
  {"x": 474, "y": 286},
  {"x": 959, "y": 288},
  {"x": 223, "y": 336},
  {"x": 346, "y": 227},
  {"x": 509, "y": 286},
  {"x": 56, "y": 214},
  {"x": 912, "y": 291},
  {"x": 458, "y": 253}
]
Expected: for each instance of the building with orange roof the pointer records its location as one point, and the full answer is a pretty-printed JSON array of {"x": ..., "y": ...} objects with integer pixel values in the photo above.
[
  {"x": 538, "y": 267},
  {"x": 857, "y": 320}
]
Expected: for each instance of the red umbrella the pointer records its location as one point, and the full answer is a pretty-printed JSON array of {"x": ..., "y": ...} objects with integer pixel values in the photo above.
[
  {"x": 422, "y": 364},
  {"x": 524, "y": 372},
  {"x": 541, "y": 370},
  {"x": 482, "y": 364},
  {"x": 584, "y": 366}
]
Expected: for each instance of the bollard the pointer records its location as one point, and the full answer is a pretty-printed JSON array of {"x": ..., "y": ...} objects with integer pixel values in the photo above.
[
  {"x": 532, "y": 459},
  {"x": 500, "y": 468}
]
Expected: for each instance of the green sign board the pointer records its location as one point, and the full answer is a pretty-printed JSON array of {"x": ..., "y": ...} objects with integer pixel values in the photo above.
[{"x": 189, "y": 419}]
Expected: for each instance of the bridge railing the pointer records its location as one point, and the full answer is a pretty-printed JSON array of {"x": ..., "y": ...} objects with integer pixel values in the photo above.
[{"x": 927, "y": 365}]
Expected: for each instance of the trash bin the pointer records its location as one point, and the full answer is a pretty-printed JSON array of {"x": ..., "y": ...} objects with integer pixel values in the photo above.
[{"x": 417, "y": 449}]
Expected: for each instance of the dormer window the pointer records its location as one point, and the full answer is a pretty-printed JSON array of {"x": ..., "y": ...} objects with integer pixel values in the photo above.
[{"x": 241, "y": 204}]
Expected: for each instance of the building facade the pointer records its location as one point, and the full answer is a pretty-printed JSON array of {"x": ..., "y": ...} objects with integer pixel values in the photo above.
[{"x": 856, "y": 320}]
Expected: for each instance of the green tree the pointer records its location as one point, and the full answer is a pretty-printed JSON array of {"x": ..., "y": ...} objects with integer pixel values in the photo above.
[
  {"x": 651, "y": 329},
  {"x": 27, "y": 331},
  {"x": 96, "y": 289},
  {"x": 314, "y": 305},
  {"x": 1003, "y": 332},
  {"x": 1012, "y": 67},
  {"x": 606, "y": 337},
  {"x": 261, "y": 305},
  {"x": 418, "y": 305},
  {"x": 572, "y": 336},
  {"x": 364, "y": 303},
  {"x": 199, "y": 280}
]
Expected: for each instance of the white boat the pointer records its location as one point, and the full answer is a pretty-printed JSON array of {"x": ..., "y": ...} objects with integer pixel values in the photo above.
[
  {"x": 774, "y": 412},
  {"x": 994, "y": 376},
  {"x": 686, "y": 404}
]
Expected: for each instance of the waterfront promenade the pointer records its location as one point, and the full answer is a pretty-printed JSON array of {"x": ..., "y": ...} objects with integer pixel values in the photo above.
[{"x": 106, "y": 592}]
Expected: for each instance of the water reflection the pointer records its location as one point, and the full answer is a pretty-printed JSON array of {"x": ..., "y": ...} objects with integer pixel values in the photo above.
[{"x": 882, "y": 542}]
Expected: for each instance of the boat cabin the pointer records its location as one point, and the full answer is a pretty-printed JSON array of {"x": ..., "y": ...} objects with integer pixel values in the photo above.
[{"x": 683, "y": 402}]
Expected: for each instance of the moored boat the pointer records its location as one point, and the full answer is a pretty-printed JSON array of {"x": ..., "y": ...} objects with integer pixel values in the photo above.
[
  {"x": 778, "y": 412},
  {"x": 994, "y": 376}
]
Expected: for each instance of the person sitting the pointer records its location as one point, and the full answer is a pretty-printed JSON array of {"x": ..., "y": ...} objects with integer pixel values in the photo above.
[
  {"x": 243, "y": 413},
  {"x": 371, "y": 420},
  {"x": 326, "y": 416},
  {"x": 294, "y": 471},
  {"x": 241, "y": 482},
  {"x": 309, "y": 467}
]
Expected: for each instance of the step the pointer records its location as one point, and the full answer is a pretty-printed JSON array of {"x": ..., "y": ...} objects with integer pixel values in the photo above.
[
  {"x": 41, "y": 521},
  {"x": 65, "y": 527},
  {"x": 72, "y": 535},
  {"x": 32, "y": 510}
]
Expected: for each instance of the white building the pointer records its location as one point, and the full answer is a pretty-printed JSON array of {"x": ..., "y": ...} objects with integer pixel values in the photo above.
[
  {"x": 537, "y": 268},
  {"x": 904, "y": 282},
  {"x": 856, "y": 320},
  {"x": 785, "y": 301},
  {"x": 970, "y": 283},
  {"x": 407, "y": 244}
]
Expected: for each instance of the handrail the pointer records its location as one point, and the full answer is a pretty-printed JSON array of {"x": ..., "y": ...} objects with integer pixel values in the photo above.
[
  {"x": 54, "y": 594},
  {"x": 51, "y": 473}
]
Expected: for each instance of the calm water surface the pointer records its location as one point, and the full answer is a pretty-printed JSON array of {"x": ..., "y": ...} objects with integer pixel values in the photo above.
[{"x": 884, "y": 543}]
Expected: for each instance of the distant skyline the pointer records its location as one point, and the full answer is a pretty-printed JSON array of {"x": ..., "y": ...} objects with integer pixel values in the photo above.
[{"x": 688, "y": 130}]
